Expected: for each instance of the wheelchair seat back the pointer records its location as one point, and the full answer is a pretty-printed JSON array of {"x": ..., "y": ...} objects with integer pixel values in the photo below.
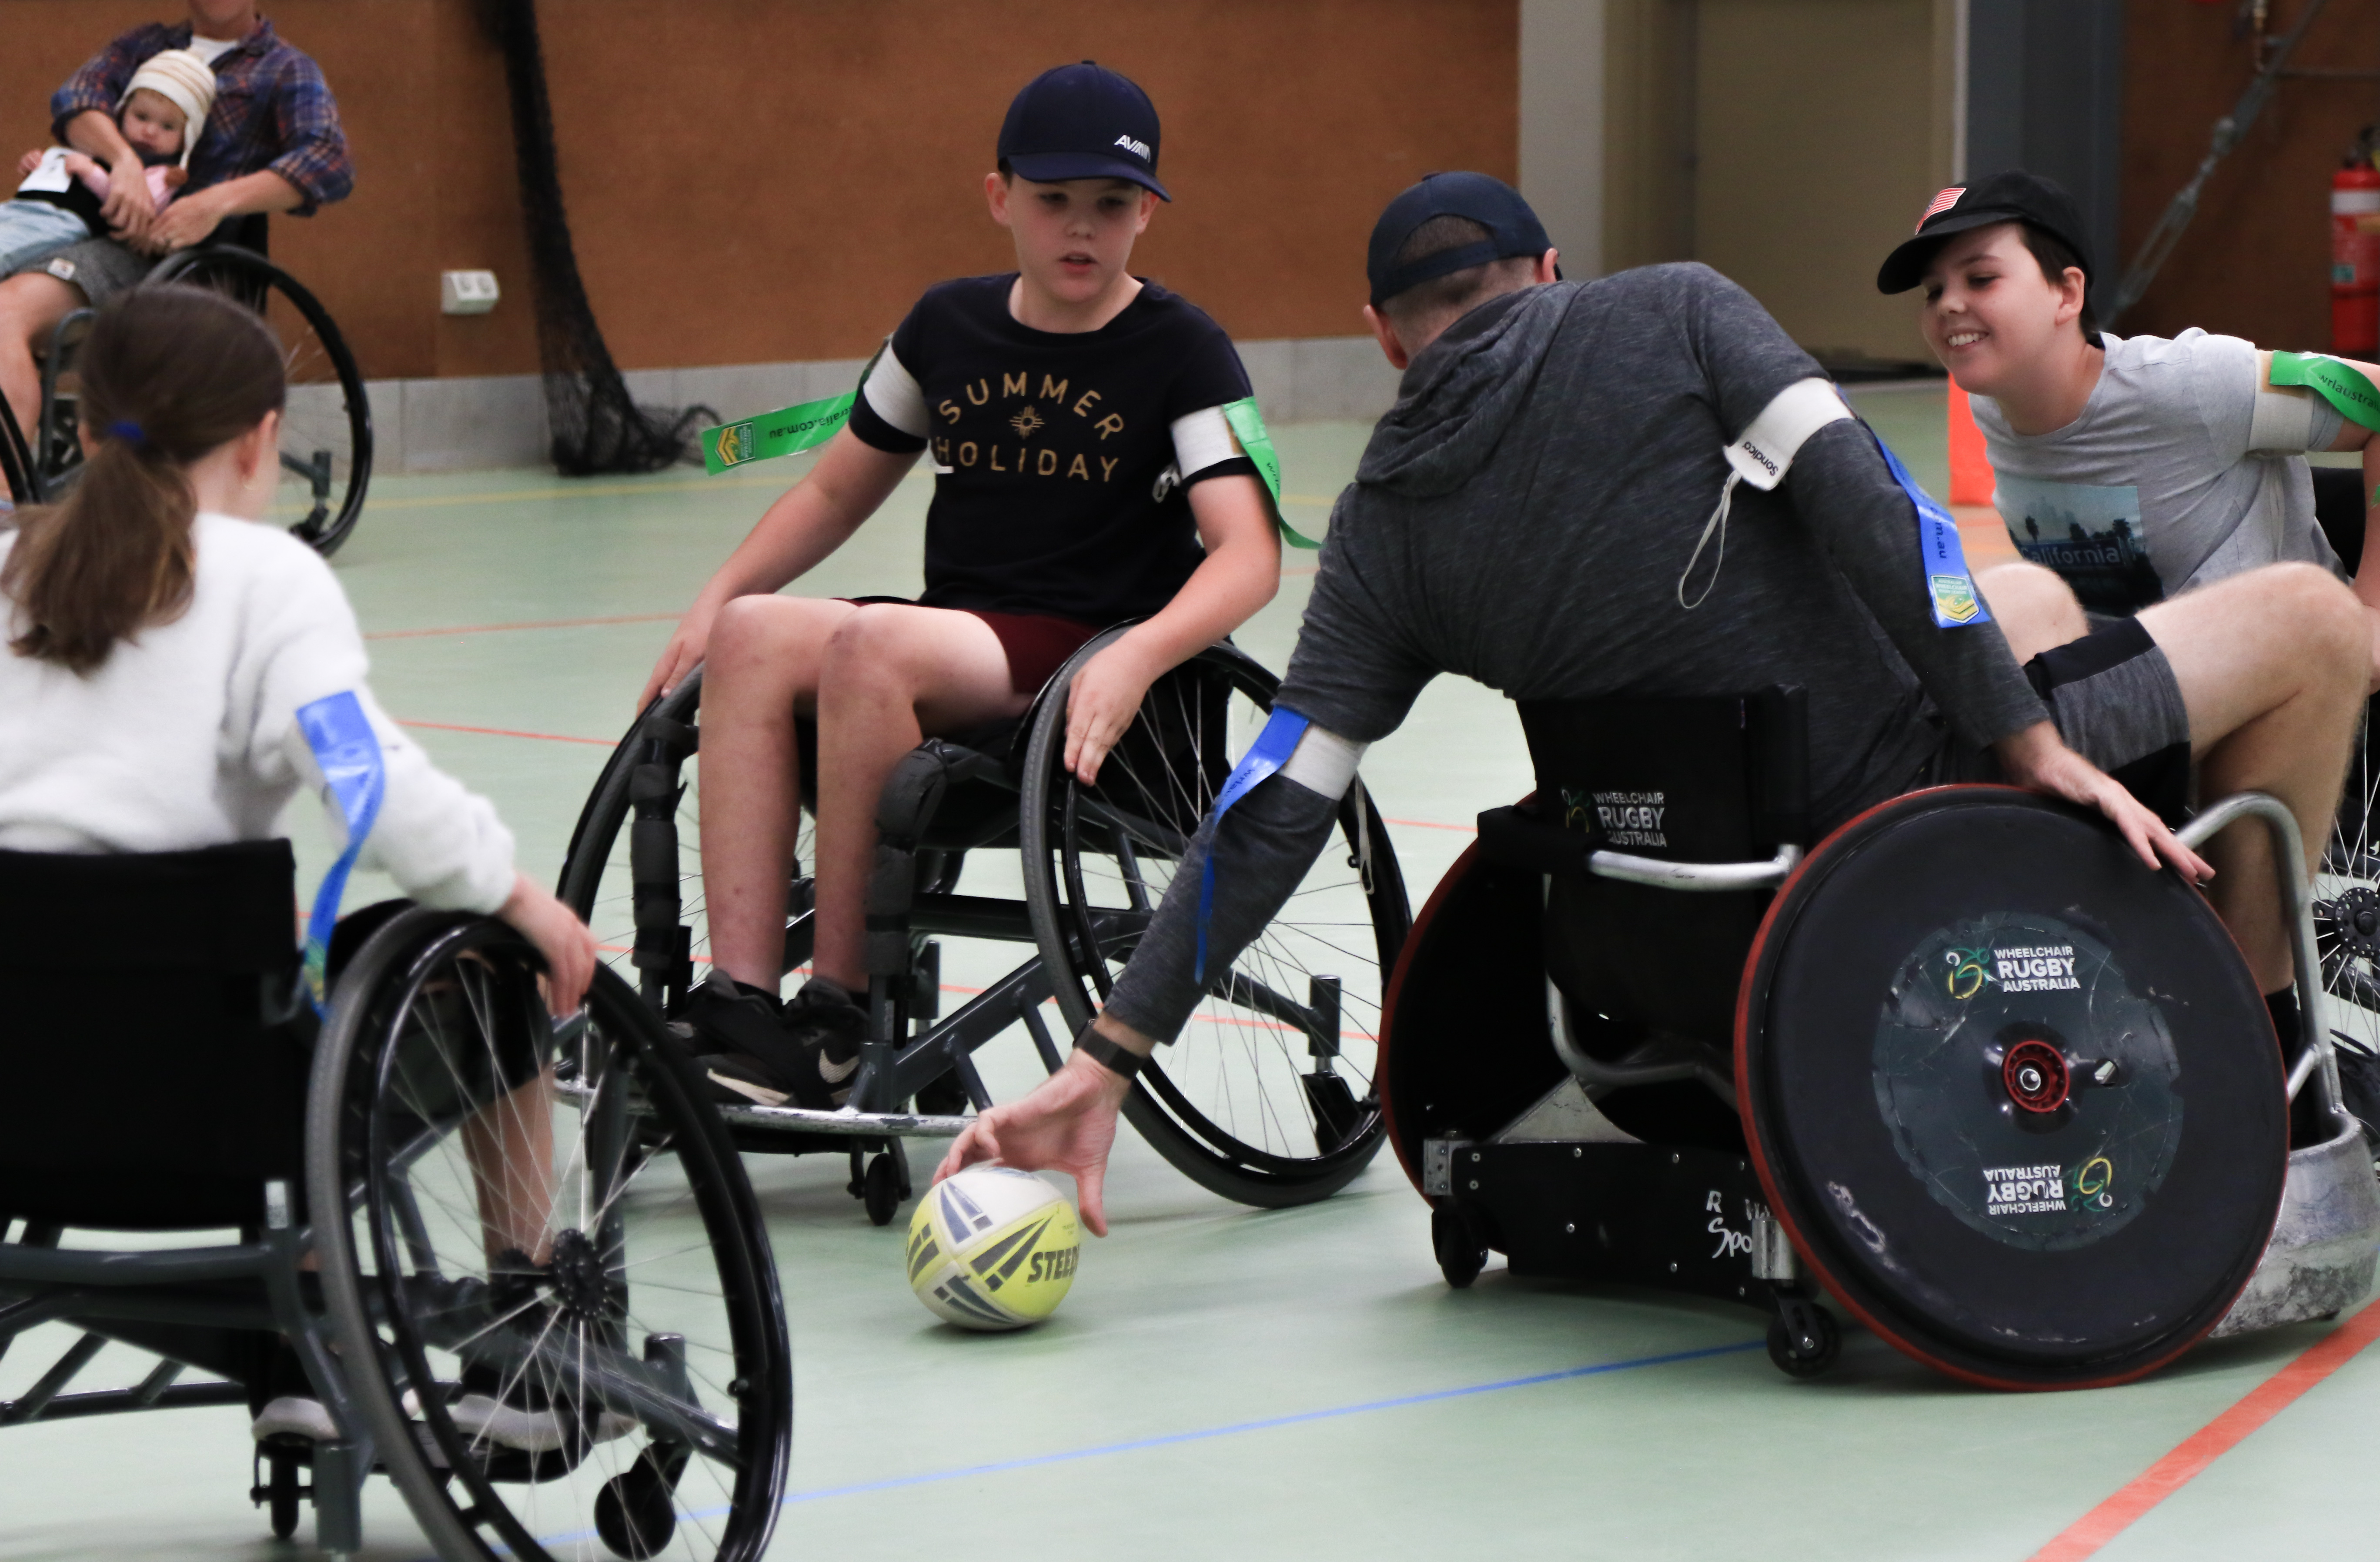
[
  {"x": 154, "y": 1053},
  {"x": 1687, "y": 779}
]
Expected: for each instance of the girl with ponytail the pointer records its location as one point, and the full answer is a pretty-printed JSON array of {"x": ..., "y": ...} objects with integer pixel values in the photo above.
[{"x": 160, "y": 645}]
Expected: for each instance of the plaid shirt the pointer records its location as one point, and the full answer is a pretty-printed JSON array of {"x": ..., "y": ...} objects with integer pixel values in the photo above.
[{"x": 273, "y": 110}]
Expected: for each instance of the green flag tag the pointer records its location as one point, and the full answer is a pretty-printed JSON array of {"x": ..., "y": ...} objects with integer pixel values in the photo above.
[
  {"x": 2343, "y": 385},
  {"x": 787, "y": 431},
  {"x": 1247, "y": 427}
]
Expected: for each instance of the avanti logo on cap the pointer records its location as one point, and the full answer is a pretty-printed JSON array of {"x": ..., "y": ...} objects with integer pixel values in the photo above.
[{"x": 1138, "y": 148}]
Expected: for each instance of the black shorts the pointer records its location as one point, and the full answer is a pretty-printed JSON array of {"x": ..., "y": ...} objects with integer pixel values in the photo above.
[{"x": 2114, "y": 699}]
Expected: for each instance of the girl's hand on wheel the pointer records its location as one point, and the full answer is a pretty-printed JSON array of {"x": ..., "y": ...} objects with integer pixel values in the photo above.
[
  {"x": 681, "y": 655},
  {"x": 1101, "y": 704},
  {"x": 559, "y": 935}
]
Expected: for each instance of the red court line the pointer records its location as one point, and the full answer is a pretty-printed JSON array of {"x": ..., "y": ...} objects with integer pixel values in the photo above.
[
  {"x": 534, "y": 623},
  {"x": 1432, "y": 824},
  {"x": 2214, "y": 1440},
  {"x": 506, "y": 732}
]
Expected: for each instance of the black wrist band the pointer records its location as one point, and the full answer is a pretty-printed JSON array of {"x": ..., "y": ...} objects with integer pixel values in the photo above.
[{"x": 1106, "y": 1055}]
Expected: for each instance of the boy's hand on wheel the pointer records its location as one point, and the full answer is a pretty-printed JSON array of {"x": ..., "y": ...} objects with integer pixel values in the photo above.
[
  {"x": 1101, "y": 704},
  {"x": 564, "y": 941},
  {"x": 2039, "y": 760},
  {"x": 1067, "y": 1123}
]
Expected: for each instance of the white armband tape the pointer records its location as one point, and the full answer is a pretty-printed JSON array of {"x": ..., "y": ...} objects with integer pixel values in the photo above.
[
  {"x": 893, "y": 394},
  {"x": 2282, "y": 418},
  {"x": 1761, "y": 456},
  {"x": 1323, "y": 763},
  {"x": 1202, "y": 439},
  {"x": 1764, "y": 452}
]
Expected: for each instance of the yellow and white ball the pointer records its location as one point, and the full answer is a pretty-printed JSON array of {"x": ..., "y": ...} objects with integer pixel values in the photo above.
[{"x": 992, "y": 1249}]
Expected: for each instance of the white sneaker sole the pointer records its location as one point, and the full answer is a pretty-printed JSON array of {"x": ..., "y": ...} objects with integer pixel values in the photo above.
[
  {"x": 483, "y": 1419},
  {"x": 291, "y": 1416}
]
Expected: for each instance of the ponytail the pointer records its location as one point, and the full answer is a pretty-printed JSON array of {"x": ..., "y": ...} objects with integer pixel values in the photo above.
[{"x": 169, "y": 374}]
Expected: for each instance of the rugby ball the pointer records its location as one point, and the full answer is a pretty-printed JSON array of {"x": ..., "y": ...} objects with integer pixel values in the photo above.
[{"x": 992, "y": 1249}]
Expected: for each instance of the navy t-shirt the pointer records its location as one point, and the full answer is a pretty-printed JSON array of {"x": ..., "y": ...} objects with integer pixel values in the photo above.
[{"x": 1062, "y": 461}]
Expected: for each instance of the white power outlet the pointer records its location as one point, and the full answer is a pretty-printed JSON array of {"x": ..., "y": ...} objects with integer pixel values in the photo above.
[{"x": 466, "y": 292}]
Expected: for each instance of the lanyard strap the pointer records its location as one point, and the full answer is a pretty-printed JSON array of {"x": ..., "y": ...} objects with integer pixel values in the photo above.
[
  {"x": 347, "y": 751},
  {"x": 1247, "y": 427},
  {"x": 1266, "y": 754},
  {"x": 1950, "y": 590},
  {"x": 2337, "y": 382}
]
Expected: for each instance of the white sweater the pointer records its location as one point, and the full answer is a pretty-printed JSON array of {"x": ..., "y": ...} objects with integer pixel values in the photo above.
[{"x": 186, "y": 734}]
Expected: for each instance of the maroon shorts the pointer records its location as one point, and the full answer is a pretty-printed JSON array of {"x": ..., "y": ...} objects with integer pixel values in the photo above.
[{"x": 1037, "y": 644}]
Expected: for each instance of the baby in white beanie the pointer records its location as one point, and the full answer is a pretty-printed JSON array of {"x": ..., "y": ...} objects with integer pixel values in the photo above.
[{"x": 163, "y": 114}]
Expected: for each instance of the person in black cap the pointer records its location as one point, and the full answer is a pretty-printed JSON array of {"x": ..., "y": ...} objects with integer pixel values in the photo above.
[
  {"x": 1639, "y": 486},
  {"x": 2129, "y": 469},
  {"x": 1084, "y": 474}
]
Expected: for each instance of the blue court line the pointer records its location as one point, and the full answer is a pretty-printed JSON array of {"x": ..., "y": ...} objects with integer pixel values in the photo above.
[{"x": 1171, "y": 1439}]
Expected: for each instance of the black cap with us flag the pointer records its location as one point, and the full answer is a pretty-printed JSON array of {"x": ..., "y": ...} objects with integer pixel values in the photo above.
[
  {"x": 2013, "y": 197},
  {"x": 1082, "y": 122}
]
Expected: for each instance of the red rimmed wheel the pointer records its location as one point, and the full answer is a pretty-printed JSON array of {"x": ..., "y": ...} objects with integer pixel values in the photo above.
[{"x": 2016, "y": 1098}]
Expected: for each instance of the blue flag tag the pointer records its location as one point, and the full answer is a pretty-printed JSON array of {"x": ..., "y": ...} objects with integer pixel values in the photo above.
[
  {"x": 1268, "y": 754},
  {"x": 1949, "y": 588},
  {"x": 348, "y": 751}
]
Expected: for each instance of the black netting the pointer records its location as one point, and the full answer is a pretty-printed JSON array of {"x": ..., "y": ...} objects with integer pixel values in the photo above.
[{"x": 596, "y": 426}]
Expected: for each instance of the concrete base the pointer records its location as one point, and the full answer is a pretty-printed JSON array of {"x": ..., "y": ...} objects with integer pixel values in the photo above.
[
  {"x": 2324, "y": 1246},
  {"x": 499, "y": 421}
]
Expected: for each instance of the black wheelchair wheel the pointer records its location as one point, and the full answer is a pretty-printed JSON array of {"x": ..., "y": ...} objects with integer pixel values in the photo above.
[
  {"x": 326, "y": 429},
  {"x": 605, "y": 882},
  {"x": 1267, "y": 1095},
  {"x": 627, "y": 1324},
  {"x": 2015, "y": 1098},
  {"x": 2347, "y": 925}
]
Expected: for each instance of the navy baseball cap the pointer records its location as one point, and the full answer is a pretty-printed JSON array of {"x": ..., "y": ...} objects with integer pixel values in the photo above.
[
  {"x": 2013, "y": 197},
  {"x": 1512, "y": 230},
  {"x": 1082, "y": 122}
]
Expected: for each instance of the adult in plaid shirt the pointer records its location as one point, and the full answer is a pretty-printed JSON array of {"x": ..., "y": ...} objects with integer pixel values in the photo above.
[{"x": 273, "y": 144}]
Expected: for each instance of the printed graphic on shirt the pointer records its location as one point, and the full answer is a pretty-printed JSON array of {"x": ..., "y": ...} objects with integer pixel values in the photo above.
[
  {"x": 2028, "y": 1086},
  {"x": 1029, "y": 425},
  {"x": 2090, "y": 535}
]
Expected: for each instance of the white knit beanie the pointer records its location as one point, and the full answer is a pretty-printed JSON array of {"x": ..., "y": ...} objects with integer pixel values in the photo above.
[{"x": 184, "y": 79}]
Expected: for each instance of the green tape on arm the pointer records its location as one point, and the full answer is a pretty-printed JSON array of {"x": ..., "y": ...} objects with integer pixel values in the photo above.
[
  {"x": 1247, "y": 427},
  {"x": 787, "y": 431},
  {"x": 2337, "y": 382}
]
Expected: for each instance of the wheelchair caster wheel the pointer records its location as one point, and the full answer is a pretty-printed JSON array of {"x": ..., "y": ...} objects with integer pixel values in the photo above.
[
  {"x": 635, "y": 1512},
  {"x": 881, "y": 1190},
  {"x": 281, "y": 1492},
  {"x": 1809, "y": 1350},
  {"x": 1461, "y": 1256}
]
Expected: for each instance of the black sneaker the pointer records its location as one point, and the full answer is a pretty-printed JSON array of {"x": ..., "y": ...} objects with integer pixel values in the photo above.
[{"x": 808, "y": 1060}]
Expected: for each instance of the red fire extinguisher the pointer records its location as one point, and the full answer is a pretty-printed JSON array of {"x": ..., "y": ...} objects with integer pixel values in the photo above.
[{"x": 2355, "y": 259}]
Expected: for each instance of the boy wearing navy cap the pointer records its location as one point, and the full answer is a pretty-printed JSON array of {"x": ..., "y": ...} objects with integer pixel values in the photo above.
[
  {"x": 1084, "y": 474},
  {"x": 1639, "y": 486}
]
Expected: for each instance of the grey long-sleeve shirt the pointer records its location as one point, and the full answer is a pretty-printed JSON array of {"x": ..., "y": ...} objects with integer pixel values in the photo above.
[{"x": 1523, "y": 516}]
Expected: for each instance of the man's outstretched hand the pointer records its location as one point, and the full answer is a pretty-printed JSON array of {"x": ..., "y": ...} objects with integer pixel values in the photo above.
[
  {"x": 1067, "y": 1123},
  {"x": 2039, "y": 759}
]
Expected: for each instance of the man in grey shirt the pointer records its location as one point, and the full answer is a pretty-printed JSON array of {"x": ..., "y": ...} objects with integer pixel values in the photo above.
[{"x": 1537, "y": 512}]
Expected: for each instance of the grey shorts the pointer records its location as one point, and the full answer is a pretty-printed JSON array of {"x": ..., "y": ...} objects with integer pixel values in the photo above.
[
  {"x": 2114, "y": 699},
  {"x": 100, "y": 267}
]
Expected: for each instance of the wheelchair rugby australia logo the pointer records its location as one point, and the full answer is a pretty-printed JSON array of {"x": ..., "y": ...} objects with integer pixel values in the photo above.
[{"x": 2024, "y": 967}]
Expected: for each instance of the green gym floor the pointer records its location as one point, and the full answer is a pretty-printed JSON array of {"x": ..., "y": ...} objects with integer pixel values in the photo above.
[{"x": 1222, "y": 1382}]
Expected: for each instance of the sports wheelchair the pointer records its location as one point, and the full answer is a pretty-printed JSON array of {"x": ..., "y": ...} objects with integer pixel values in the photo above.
[
  {"x": 326, "y": 429},
  {"x": 1266, "y": 1098},
  {"x": 1966, "y": 1065},
  {"x": 326, "y": 1187}
]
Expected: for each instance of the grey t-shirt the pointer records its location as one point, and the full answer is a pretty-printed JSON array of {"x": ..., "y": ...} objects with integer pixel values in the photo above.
[
  {"x": 2157, "y": 487},
  {"x": 1522, "y": 515}
]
